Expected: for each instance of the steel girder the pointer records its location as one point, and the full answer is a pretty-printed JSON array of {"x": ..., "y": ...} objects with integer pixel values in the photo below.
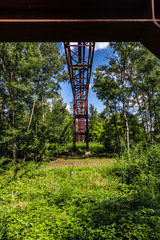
[{"x": 79, "y": 58}]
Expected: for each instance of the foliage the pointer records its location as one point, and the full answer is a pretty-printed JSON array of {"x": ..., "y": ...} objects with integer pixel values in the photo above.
[
  {"x": 129, "y": 87},
  {"x": 33, "y": 116},
  {"x": 121, "y": 201},
  {"x": 98, "y": 131},
  {"x": 92, "y": 118}
]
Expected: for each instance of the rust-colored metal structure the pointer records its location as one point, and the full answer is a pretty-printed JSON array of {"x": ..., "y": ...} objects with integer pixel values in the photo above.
[
  {"x": 87, "y": 20},
  {"x": 79, "y": 58}
]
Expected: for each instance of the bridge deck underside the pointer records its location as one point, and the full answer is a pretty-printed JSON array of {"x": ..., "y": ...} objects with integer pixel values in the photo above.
[{"x": 91, "y": 20}]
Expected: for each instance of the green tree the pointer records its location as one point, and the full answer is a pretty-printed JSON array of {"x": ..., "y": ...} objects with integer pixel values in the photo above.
[
  {"x": 46, "y": 87},
  {"x": 98, "y": 131},
  {"x": 111, "y": 83},
  {"x": 18, "y": 61},
  {"x": 30, "y": 76},
  {"x": 92, "y": 118},
  {"x": 130, "y": 84},
  {"x": 145, "y": 84}
]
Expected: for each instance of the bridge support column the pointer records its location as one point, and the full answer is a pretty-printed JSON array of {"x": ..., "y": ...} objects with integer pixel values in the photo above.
[{"x": 79, "y": 58}]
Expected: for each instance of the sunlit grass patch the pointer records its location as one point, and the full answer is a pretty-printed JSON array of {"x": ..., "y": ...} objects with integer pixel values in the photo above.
[{"x": 89, "y": 162}]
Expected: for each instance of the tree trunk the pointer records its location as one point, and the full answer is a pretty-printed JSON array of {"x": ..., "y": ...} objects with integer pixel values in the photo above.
[
  {"x": 42, "y": 102},
  {"x": 0, "y": 110},
  {"x": 151, "y": 122},
  {"x": 156, "y": 120},
  {"x": 127, "y": 128},
  {"x": 156, "y": 115},
  {"x": 123, "y": 75},
  {"x": 146, "y": 117},
  {"x": 14, "y": 143},
  {"x": 141, "y": 113},
  {"x": 30, "y": 120},
  {"x": 117, "y": 134},
  {"x": 36, "y": 150}
]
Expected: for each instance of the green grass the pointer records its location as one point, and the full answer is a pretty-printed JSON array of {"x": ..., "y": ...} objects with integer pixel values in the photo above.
[
  {"x": 96, "y": 149},
  {"x": 86, "y": 200}
]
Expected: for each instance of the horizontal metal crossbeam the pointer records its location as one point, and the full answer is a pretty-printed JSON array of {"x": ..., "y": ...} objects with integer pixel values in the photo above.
[{"x": 99, "y": 21}]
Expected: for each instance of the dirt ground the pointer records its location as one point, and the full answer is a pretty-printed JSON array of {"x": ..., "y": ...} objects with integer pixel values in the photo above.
[{"x": 91, "y": 162}]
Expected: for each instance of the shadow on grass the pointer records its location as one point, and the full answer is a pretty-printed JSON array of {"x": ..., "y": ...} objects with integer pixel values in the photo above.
[
  {"x": 4, "y": 165},
  {"x": 24, "y": 166},
  {"x": 17, "y": 167},
  {"x": 122, "y": 218},
  {"x": 96, "y": 150},
  {"x": 80, "y": 153}
]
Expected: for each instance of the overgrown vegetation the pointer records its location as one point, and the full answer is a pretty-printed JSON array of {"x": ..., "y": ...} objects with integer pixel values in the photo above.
[{"x": 104, "y": 200}]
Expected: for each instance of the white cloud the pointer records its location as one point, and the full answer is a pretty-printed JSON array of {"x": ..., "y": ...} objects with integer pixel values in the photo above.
[
  {"x": 98, "y": 45},
  {"x": 90, "y": 85},
  {"x": 69, "y": 108},
  {"x": 101, "y": 45},
  {"x": 62, "y": 46},
  {"x": 73, "y": 43}
]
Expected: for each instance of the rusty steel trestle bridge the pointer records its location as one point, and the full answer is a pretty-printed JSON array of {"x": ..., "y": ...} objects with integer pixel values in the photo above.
[{"x": 79, "y": 59}]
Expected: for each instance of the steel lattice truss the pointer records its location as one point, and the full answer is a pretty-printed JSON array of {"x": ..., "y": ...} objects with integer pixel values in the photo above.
[{"x": 79, "y": 58}]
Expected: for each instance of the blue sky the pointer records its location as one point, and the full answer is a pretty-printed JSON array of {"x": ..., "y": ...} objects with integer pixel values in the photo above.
[{"x": 102, "y": 50}]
